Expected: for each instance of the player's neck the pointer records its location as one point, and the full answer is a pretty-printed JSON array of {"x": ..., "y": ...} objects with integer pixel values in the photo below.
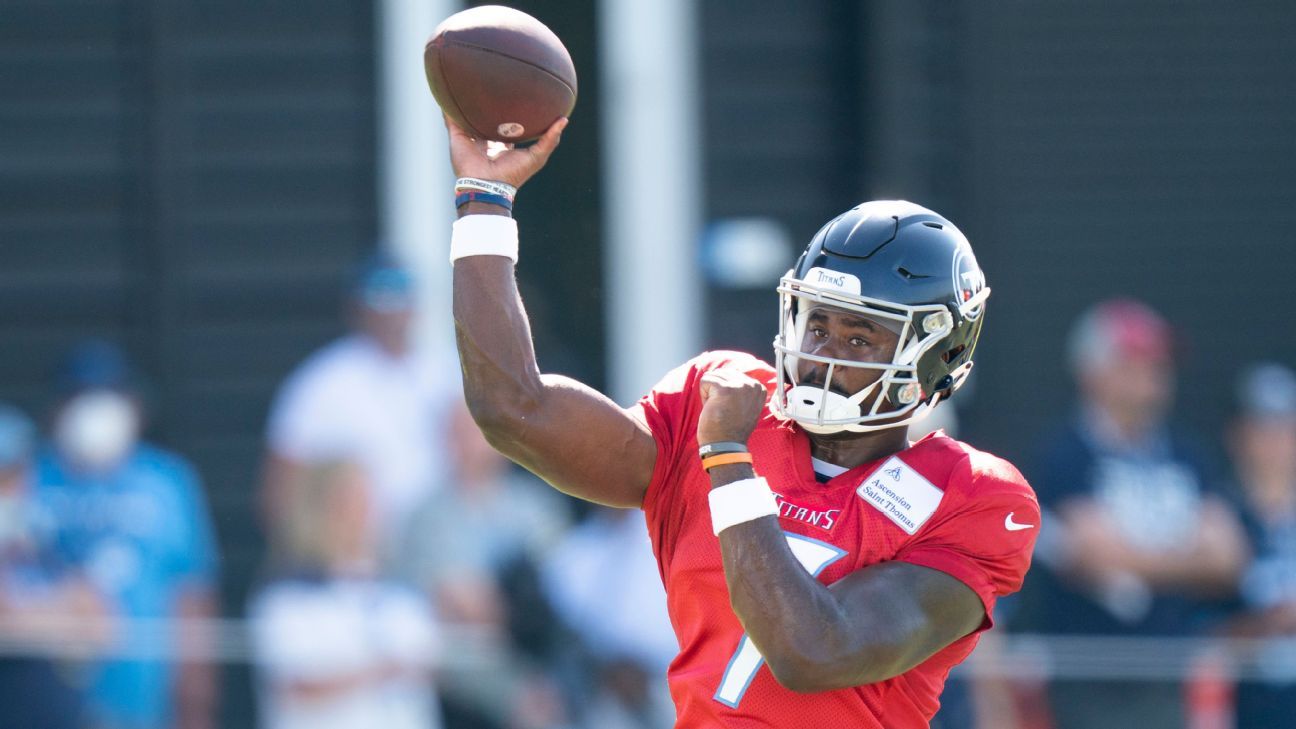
[{"x": 849, "y": 450}]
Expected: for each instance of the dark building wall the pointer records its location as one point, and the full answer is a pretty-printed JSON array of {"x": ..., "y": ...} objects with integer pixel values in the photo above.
[
  {"x": 194, "y": 183},
  {"x": 1130, "y": 148},
  {"x": 70, "y": 182},
  {"x": 783, "y": 134},
  {"x": 1087, "y": 149},
  {"x": 193, "y": 180},
  {"x": 560, "y": 267}
]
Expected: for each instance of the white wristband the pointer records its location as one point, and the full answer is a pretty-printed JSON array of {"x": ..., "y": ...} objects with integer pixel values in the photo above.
[
  {"x": 484, "y": 235},
  {"x": 741, "y": 501},
  {"x": 494, "y": 187}
]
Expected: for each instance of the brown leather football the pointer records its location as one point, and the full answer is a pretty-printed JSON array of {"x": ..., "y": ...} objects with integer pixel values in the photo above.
[{"x": 500, "y": 73}]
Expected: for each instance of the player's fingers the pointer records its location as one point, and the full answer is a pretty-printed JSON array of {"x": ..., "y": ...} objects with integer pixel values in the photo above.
[
  {"x": 735, "y": 378},
  {"x": 456, "y": 131},
  {"x": 706, "y": 384},
  {"x": 730, "y": 381},
  {"x": 548, "y": 141},
  {"x": 459, "y": 135},
  {"x": 722, "y": 378},
  {"x": 743, "y": 385}
]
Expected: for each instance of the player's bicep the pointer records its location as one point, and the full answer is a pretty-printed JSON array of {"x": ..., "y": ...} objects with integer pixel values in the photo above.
[
  {"x": 911, "y": 612},
  {"x": 582, "y": 443}
]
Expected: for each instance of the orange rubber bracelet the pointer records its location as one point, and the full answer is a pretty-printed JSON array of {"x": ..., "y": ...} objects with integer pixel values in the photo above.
[{"x": 724, "y": 459}]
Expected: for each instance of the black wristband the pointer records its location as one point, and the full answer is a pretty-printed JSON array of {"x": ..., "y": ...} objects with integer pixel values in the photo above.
[{"x": 721, "y": 446}]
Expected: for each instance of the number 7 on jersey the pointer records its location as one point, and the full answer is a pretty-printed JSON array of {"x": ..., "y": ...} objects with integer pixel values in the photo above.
[{"x": 814, "y": 555}]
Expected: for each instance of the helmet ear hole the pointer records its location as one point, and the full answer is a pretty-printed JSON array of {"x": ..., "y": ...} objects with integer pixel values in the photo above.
[{"x": 951, "y": 354}]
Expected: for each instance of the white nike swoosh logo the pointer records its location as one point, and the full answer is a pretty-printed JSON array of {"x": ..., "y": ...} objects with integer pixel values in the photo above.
[{"x": 1013, "y": 526}]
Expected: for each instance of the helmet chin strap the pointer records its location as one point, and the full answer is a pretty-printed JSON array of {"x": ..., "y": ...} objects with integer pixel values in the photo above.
[
  {"x": 812, "y": 404},
  {"x": 807, "y": 402},
  {"x": 804, "y": 407}
]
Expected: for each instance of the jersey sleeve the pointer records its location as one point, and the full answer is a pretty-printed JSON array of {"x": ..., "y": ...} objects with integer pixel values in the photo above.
[
  {"x": 984, "y": 539},
  {"x": 667, "y": 410},
  {"x": 671, "y": 409}
]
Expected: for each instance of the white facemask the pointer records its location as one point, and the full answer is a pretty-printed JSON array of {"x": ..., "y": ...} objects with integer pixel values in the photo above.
[{"x": 96, "y": 429}]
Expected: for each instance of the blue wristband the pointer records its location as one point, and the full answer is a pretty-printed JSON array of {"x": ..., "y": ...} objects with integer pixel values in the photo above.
[{"x": 468, "y": 196}]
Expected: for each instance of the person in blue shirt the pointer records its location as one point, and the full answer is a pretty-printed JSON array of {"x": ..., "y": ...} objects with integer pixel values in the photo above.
[
  {"x": 132, "y": 517},
  {"x": 42, "y": 606}
]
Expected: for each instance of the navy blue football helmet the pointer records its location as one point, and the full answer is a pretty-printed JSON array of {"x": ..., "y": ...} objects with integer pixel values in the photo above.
[{"x": 912, "y": 271}]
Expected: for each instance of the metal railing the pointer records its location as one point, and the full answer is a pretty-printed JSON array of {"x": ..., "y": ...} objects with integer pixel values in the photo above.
[{"x": 1012, "y": 656}]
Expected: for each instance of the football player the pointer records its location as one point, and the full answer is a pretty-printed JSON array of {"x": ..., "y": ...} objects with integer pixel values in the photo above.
[{"x": 820, "y": 568}]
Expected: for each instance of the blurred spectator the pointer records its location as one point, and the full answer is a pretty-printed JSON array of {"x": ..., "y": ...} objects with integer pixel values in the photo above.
[
  {"x": 1135, "y": 541},
  {"x": 473, "y": 546},
  {"x": 605, "y": 586},
  {"x": 337, "y": 646},
  {"x": 366, "y": 398},
  {"x": 41, "y": 606},
  {"x": 1262, "y": 442},
  {"x": 133, "y": 518}
]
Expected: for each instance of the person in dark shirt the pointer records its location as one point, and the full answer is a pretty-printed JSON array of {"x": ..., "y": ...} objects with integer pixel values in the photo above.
[
  {"x": 1139, "y": 542},
  {"x": 1262, "y": 443}
]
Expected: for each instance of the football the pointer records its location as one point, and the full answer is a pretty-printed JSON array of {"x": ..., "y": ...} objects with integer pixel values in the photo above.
[{"x": 500, "y": 73}]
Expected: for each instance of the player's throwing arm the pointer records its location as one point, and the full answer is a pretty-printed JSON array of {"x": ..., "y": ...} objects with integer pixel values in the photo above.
[
  {"x": 567, "y": 433},
  {"x": 500, "y": 74}
]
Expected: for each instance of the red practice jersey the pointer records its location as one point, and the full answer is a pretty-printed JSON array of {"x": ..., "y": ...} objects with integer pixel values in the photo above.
[{"x": 939, "y": 504}]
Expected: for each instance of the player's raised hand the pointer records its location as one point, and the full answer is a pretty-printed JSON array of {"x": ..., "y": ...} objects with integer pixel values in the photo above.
[
  {"x": 500, "y": 162},
  {"x": 731, "y": 404}
]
